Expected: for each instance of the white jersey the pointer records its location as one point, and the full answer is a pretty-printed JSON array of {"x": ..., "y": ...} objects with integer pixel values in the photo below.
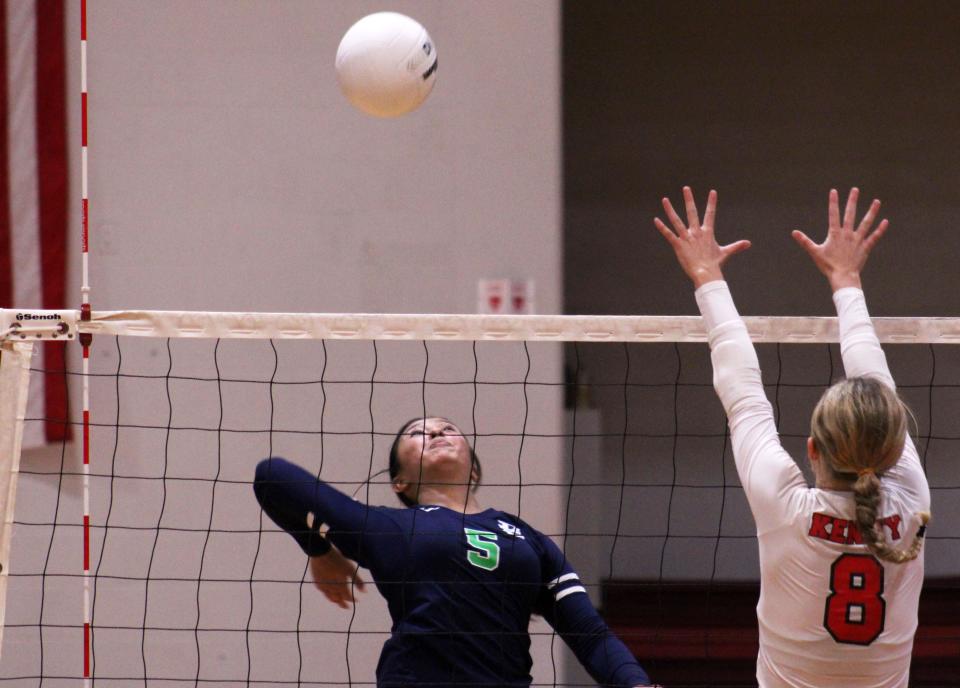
[{"x": 830, "y": 614}]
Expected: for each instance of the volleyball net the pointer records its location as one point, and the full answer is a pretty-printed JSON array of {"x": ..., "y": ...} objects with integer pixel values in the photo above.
[{"x": 602, "y": 432}]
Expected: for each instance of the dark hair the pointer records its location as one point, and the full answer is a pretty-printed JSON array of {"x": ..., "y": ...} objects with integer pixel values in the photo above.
[{"x": 394, "y": 468}]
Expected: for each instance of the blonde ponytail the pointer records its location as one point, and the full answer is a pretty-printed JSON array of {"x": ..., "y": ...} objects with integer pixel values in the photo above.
[
  {"x": 866, "y": 494},
  {"x": 859, "y": 429}
]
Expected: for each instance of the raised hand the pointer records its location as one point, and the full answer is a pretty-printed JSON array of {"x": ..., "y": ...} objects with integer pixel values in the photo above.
[
  {"x": 336, "y": 577},
  {"x": 844, "y": 252},
  {"x": 695, "y": 245}
]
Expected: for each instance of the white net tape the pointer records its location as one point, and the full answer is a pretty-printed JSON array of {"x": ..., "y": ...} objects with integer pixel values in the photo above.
[{"x": 553, "y": 328}]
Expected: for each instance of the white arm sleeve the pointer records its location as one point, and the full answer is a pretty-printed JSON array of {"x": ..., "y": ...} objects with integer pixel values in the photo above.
[
  {"x": 862, "y": 355},
  {"x": 771, "y": 479}
]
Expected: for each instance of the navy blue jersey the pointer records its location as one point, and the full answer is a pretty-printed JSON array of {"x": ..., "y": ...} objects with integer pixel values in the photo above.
[{"x": 460, "y": 587}]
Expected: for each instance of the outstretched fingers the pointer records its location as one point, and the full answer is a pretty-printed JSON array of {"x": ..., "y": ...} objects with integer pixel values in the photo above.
[
  {"x": 867, "y": 221},
  {"x": 806, "y": 243},
  {"x": 850, "y": 212},
  {"x": 695, "y": 244},
  {"x": 833, "y": 211},
  {"x": 673, "y": 217},
  {"x": 734, "y": 248},
  {"x": 693, "y": 219},
  {"x": 710, "y": 214},
  {"x": 843, "y": 253},
  {"x": 875, "y": 235},
  {"x": 667, "y": 233}
]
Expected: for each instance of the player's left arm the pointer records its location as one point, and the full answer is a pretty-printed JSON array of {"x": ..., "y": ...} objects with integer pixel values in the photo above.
[
  {"x": 564, "y": 603},
  {"x": 771, "y": 479}
]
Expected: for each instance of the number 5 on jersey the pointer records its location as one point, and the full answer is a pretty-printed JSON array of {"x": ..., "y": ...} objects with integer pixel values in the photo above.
[{"x": 486, "y": 552}]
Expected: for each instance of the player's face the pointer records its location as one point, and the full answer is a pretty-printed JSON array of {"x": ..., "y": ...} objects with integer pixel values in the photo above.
[{"x": 433, "y": 448}]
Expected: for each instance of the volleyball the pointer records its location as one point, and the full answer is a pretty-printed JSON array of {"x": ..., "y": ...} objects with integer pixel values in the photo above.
[{"x": 386, "y": 64}]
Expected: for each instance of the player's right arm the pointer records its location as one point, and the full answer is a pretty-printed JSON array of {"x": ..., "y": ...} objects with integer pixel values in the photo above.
[
  {"x": 770, "y": 478},
  {"x": 299, "y": 503},
  {"x": 841, "y": 258}
]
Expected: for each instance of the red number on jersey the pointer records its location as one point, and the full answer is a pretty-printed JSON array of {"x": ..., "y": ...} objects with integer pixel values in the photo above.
[{"x": 855, "y": 608}]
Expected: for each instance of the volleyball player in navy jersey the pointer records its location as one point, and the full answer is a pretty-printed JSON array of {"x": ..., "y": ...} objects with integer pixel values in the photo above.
[{"x": 461, "y": 582}]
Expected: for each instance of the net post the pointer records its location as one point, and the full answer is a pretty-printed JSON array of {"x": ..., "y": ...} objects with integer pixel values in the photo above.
[
  {"x": 14, "y": 386},
  {"x": 85, "y": 339}
]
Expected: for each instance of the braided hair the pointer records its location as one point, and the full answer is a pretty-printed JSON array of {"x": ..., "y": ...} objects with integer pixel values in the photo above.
[{"x": 859, "y": 428}]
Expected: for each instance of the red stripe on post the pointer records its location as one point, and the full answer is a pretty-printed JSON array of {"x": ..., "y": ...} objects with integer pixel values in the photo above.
[
  {"x": 83, "y": 20},
  {"x": 6, "y": 230},
  {"x": 83, "y": 118},
  {"x": 52, "y": 176},
  {"x": 86, "y": 650},
  {"x": 86, "y": 544},
  {"x": 86, "y": 214},
  {"x": 86, "y": 432}
]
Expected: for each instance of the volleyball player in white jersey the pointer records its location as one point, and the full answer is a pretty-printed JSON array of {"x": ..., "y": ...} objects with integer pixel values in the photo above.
[{"x": 841, "y": 564}]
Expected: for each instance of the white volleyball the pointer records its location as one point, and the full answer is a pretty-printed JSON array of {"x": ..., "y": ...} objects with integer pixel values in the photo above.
[{"x": 386, "y": 64}]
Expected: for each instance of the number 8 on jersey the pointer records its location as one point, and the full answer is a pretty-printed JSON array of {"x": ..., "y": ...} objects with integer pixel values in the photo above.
[{"x": 855, "y": 608}]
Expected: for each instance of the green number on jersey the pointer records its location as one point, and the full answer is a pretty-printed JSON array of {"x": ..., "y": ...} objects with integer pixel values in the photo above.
[{"x": 488, "y": 556}]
